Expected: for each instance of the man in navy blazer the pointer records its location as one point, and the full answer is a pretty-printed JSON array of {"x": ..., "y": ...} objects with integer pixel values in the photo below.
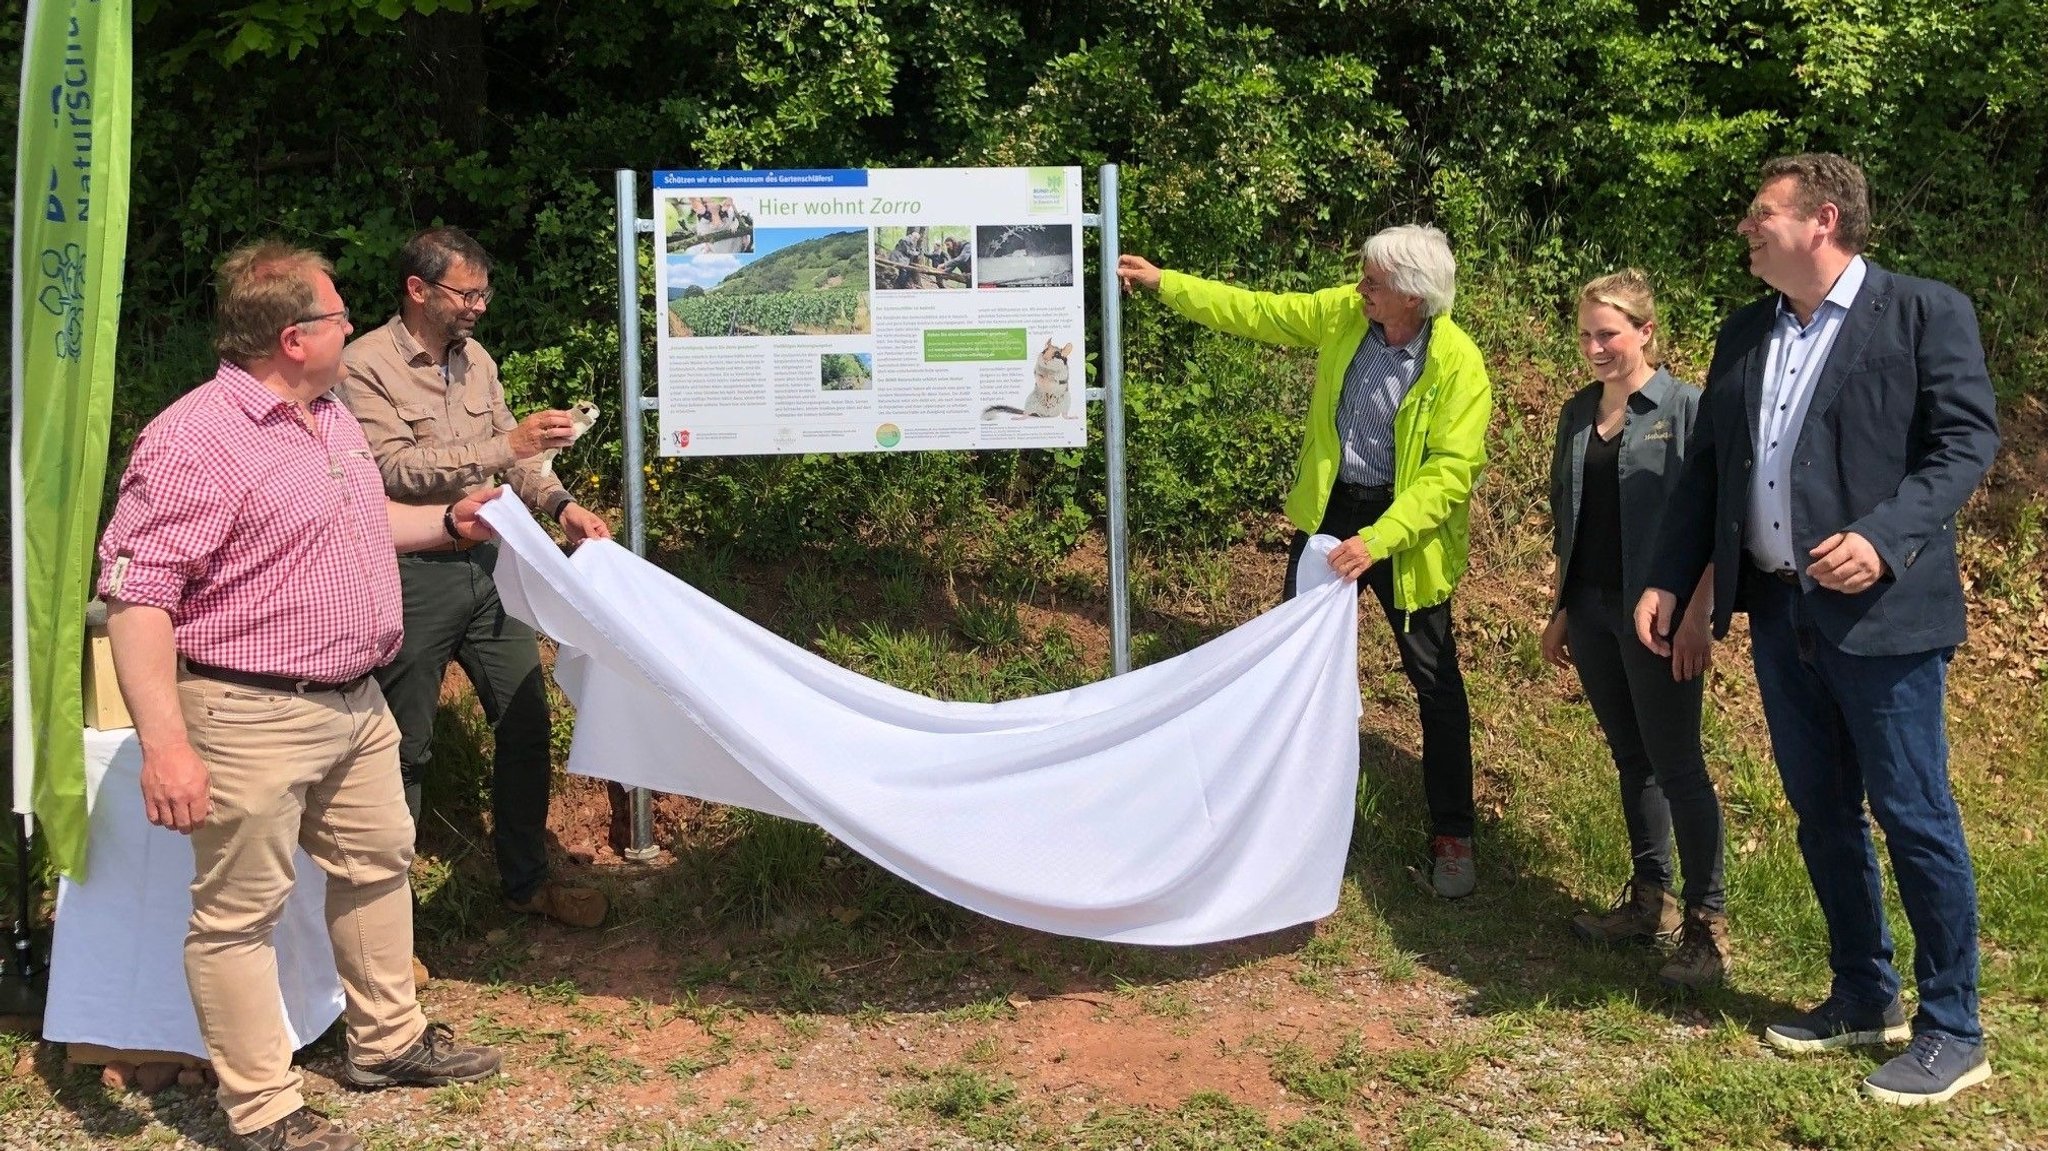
[{"x": 1845, "y": 420}]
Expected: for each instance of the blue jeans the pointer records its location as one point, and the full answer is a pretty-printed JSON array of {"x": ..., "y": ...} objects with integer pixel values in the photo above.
[{"x": 1845, "y": 728}]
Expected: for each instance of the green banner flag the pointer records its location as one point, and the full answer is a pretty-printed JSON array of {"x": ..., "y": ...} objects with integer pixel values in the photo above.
[{"x": 70, "y": 238}]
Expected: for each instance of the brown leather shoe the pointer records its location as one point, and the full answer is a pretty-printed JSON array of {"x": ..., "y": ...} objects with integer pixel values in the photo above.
[
  {"x": 1703, "y": 955},
  {"x": 302, "y": 1130},
  {"x": 564, "y": 903},
  {"x": 1641, "y": 914},
  {"x": 420, "y": 974},
  {"x": 432, "y": 1061}
]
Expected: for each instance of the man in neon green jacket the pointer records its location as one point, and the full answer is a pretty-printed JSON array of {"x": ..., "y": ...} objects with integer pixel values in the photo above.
[{"x": 1395, "y": 441}]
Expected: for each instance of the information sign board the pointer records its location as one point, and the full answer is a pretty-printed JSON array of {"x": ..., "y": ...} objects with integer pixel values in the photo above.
[{"x": 884, "y": 309}]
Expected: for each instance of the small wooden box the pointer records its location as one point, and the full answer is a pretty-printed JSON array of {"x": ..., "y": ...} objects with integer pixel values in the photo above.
[{"x": 104, "y": 707}]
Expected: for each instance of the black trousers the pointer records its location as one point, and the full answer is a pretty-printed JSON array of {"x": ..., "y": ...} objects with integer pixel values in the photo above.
[
  {"x": 1429, "y": 656},
  {"x": 1652, "y": 724},
  {"x": 452, "y": 612}
]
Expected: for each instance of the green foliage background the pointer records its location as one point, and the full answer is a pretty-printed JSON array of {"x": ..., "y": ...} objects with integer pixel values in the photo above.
[{"x": 1260, "y": 141}]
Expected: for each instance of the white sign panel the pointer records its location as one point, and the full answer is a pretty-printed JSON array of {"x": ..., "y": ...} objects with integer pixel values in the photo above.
[{"x": 860, "y": 310}]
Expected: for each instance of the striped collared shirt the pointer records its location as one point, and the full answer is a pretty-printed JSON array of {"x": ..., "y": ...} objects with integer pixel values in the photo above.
[
  {"x": 265, "y": 538},
  {"x": 1374, "y": 385}
]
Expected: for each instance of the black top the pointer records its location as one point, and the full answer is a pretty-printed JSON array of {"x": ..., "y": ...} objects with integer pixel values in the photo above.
[
  {"x": 1655, "y": 426},
  {"x": 1596, "y": 561}
]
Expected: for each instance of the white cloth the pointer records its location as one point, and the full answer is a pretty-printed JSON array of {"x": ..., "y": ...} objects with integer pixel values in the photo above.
[
  {"x": 117, "y": 963},
  {"x": 1207, "y": 797}
]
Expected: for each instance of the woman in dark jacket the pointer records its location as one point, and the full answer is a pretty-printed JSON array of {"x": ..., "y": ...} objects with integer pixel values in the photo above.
[{"x": 1620, "y": 444}]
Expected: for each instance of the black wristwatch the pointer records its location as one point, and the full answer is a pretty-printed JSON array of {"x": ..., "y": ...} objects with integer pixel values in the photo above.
[{"x": 448, "y": 523}]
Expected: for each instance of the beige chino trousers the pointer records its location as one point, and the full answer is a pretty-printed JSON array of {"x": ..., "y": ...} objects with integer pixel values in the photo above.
[{"x": 318, "y": 771}]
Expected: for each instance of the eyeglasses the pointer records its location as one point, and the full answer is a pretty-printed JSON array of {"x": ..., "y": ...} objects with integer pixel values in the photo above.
[
  {"x": 1759, "y": 213},
  {"x": 302, "y": 321},
  {"x": 471, "y": 298}
]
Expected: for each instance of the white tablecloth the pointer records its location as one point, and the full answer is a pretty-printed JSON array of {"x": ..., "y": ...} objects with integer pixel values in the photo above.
[
  {"x": 117, "y": 966},
  {"x": 1206, "y": 797}
]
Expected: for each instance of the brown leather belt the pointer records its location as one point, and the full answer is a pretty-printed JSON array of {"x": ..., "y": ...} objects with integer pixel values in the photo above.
[
  {"x": 442, "y": 548},
  {"x": 1784, "y": 576},
  {"x": 270, "y": 682}
]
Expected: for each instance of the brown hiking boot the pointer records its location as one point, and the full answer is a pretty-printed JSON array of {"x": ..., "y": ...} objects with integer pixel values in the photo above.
[
  {"x": 302, "y": 1130},
  {"x": 420, "y": 974},
  {"x": 1641, "y": 914},
  {"x": 563, "y": 903},
  {"x": 432, "y": 1061},
  {"x": 1702, "y": 957}
]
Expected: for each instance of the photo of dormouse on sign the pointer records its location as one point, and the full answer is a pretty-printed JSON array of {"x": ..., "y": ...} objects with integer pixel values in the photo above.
[{"x": 1049, "y": 392}]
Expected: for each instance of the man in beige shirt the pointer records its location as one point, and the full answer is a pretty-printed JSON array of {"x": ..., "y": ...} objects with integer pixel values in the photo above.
[{"x": 433, "y": 410}]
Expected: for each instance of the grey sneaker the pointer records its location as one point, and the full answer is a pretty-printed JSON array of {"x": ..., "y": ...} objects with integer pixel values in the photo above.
[
  {"x": 302, "y": 1130},
  {"x": 1932, "y": 1070},
  {"x": 1452, "y": 872},
  {"x": 432, "y": 1061},
  {"x": 1839, "y": 1023},
  {"x": 1703, "y": 954},
  {"x": 1642, "y": 913}
]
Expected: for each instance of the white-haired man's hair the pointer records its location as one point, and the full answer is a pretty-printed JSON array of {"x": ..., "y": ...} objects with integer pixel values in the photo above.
[{"x": 1418, "y": 262}]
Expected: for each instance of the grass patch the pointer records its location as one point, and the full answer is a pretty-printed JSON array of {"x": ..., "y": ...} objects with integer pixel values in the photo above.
[
  {"x": 1206, "y": 1122},
  {"x": 1435, "y": 1127},
  {"x": 978, "y": 1104},
  {"x": 1333, "y": 1080},
  {"x": 954, "y": 1093},
  {"x": 457, "y": 1099},
  {"x": 593, "y": 1065},
  {"x": 1704, "y": 1099},
  {"x": 1430, "y": 1069}
]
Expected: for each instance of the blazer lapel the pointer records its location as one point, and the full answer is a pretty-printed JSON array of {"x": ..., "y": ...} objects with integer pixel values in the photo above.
[
  {"x": 1753, "y": 367},
  {"x": 1857, "y": 327},
  {"x": 1577, "y": 479}
]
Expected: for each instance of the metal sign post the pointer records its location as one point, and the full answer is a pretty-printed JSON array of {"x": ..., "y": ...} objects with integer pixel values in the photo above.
[
  {"x": 1113, "y": 428},
  {"x": 633, "y": 406}
]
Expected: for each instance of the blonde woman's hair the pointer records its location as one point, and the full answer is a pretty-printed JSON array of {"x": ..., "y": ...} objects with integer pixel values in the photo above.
[
  {"x": 261, "y": 289},
  {"x": 1628, "y": 292}
]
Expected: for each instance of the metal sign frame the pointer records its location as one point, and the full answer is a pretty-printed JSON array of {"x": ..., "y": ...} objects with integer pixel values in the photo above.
[{"x": 636, "y": 404}]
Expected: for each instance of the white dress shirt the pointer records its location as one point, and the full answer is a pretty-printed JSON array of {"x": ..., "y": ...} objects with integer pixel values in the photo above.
[{"x": 1797, "y": 356}]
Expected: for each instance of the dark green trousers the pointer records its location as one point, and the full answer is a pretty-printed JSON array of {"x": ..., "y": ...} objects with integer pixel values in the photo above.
[{"x": 452, "y": 612}]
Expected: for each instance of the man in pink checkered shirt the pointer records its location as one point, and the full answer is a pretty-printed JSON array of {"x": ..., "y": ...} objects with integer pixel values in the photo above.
[{"x": 250, "y": 568}]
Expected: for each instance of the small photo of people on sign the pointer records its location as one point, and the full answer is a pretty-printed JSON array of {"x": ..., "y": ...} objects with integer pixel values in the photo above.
[
  {"x": 924, "y": 257},
  {"x": 1024, "y": 256}
]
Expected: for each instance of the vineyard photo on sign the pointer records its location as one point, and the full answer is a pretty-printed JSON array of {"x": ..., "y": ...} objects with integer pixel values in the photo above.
[
  {"x": 789, "y": 281},
  {"x": 837, "y": 310}
]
